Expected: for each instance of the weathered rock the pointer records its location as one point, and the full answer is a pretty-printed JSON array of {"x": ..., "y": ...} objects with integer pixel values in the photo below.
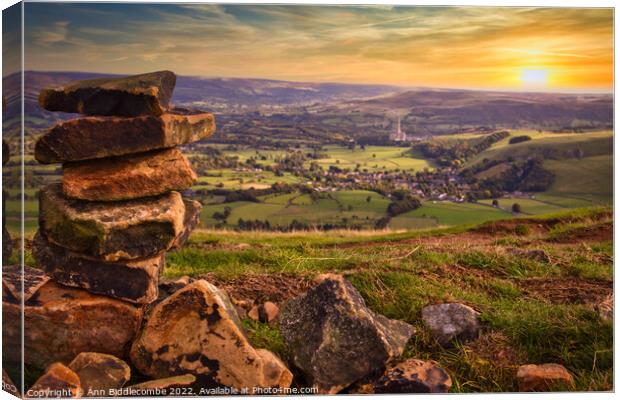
[
  {"x": 451, "y": 321},
  {"x": 135, "y": 281},
  {"x": 196, "y": 330},
  {"x": 57, "y": 381},
  {"x": 149, "y": 388},
  {"x": 145, "y": 94},
  {"x": 8, "y": 385},
  {"x": 12, "y": 278},
  {"x": 168, "y": 286},
  {"x": 111, "y": 231},
  {"x": 334, "y": 339},
  {"x": 264, "y": 313},
  {"x": 125, "y": 178},
  {"x": 190, "y": 222},
  {"x": 99, "y": 137},
  {"x": 62, "y": 322},
  {"x": 100, "y": 373},
  {"x": 410, "y": 376},
  {"x": 544, "y": 377}
]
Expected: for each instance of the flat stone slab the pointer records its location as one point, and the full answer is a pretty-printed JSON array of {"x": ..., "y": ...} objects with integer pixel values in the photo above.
[
  {"x": 111, "y": 231},
  {"x": 100, "y": 374},
  {"x": 197, "y": 331},
  {"x": 62, "y": 322},
  {"x": 144, "y": 94},
  {"x": 334, "y": 339},
  {"x": 128, "y": 177},
  {"x": 135, "y": 281},
  {"x": 12, "y": 280},
  {"x": 98, "y": 137}
]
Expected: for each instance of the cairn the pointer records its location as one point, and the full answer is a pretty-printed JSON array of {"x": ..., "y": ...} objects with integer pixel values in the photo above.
[{"x": 107, "y": 227}]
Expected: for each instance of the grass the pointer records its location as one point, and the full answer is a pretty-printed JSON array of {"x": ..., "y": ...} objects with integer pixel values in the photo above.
[{"x": 398, "y": 273}]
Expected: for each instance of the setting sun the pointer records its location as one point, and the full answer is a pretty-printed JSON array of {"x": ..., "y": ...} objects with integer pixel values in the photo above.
[{"x": 534, "y": 77}]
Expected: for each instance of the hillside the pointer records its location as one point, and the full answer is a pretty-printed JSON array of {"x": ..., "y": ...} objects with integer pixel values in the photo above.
[
  {"x": 543, "y": 286},
  {"x": 436, "y": 111}
]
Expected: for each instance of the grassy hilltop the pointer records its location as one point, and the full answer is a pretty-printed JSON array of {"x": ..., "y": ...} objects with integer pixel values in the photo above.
[{"x": 536, "y": 307}]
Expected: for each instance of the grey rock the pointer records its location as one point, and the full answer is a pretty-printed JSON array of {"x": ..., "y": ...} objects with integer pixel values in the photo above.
[
  {"x": 451, "y": 321},
  {"x": 334, "y": 339}
]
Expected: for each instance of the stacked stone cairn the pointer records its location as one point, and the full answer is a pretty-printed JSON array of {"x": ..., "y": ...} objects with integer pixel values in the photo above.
[
  {"x": 107, "y": 227},
  {"x": 103, "y": 236}
]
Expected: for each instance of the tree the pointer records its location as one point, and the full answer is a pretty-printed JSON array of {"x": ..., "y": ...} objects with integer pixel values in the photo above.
[{"x": 516, "y": 208}]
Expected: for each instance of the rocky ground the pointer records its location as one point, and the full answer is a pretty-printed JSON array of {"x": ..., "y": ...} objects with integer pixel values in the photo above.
[{"x": 542, "y": 287}]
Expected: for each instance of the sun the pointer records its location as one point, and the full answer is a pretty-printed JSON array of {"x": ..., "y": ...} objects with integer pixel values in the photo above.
[{"x": 534, "y": 77}]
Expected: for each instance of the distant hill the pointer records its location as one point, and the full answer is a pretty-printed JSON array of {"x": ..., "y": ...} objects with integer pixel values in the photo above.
[
  {"x": 435, "y": 111},
  {"x": 345, "y": 109}
]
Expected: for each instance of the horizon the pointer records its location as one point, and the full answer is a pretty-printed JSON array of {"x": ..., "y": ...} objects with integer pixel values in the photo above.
[
  {"x": 539, "y": 50},
  {"x": 602, "y": 92}
]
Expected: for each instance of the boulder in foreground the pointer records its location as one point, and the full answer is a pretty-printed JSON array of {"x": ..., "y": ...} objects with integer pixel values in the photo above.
[
  {"x": 132, "y": 280},
  {"x": 409, "y": 376},
  {"x": 196, "y": 331},
  {"x": 99, "y": 137},
  {"x": 334, "y": 339},
  {"x": 100, "y": 373},
  {"x": 451, "y": 321},
  {"x": 111, "y": 231},
  {"x": 543, "y": 378},
  {"x": 57, "y": 381},
  {"x": 129, "y": 177},
  {"x": 145, "y": 94},
  {"x": 61, "y": 322}
]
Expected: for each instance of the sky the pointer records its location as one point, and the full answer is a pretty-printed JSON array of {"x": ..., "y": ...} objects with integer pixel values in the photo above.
[{"x": 544, "y": 49}]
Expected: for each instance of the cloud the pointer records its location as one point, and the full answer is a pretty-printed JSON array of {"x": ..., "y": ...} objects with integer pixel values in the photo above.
[{"x": 447, "y": 46}]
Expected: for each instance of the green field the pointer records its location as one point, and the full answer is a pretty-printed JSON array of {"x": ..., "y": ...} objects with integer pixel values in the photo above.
[
  {"x": 374, "y": 158},
  {"x": 433, "y": 214}
]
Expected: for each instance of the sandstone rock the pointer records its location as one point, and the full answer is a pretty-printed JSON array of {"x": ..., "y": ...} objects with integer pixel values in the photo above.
[
  {"x": 99, "y": 373},
  {"x": 125, "y": 178},
  {"x": 265, "y": 313},
  {"x": 12, "y": 278},
  {"x": 145, "y": 94},
  {"x": 190, "y": 222},
  {"x": 57, "y": 381},
  {"x": 8, "y": 385},
  {"x": 410, "y": 376},
  {"x": 451, "y": 321},
  {"x": 143, "y": 388},
  {"x": 62, "y": 322},
  {"x": 196, "y": 330},
  {"x": 334, "y": 339},
  {"x": 111, "y": 231},
  {"x": 135, "y": 281},
  {"x": 544, "y": 377},
  {"x": 99, "y": 137}
]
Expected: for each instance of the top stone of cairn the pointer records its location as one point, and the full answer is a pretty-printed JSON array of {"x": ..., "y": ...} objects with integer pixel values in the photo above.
[{"x": 145, "y": 94}]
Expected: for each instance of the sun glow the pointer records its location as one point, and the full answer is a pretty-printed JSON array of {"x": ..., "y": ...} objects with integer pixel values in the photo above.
[{"x": 534, "y": 77}]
